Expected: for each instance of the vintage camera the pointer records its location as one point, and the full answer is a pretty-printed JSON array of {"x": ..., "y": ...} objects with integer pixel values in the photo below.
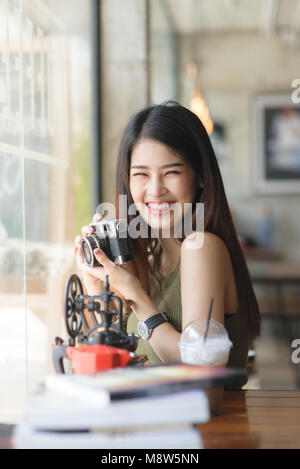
[{"x": 111, "y": 236}]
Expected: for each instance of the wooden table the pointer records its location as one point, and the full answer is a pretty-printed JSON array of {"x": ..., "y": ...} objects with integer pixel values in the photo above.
[
  {"x": 255, "y": 419},
  {"x": 251, "y": 419}
]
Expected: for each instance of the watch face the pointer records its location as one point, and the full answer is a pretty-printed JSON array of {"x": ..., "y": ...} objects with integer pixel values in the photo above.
[{"x": 143, "y": 330}]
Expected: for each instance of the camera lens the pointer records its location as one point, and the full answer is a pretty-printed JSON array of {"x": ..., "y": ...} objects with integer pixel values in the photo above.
[
  {"x": 88, "y": 244},
  {"x": 86, "y": 253}
]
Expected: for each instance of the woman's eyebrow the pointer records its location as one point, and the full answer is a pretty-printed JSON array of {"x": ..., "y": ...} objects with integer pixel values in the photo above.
[{"x": 164, "y": 166}]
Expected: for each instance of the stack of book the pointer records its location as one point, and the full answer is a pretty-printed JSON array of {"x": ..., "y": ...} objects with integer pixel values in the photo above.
[{"x": 138, "y": 407}]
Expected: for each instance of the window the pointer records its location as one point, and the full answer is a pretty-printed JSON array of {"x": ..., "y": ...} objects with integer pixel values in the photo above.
[{"x": 45, "y": 68}]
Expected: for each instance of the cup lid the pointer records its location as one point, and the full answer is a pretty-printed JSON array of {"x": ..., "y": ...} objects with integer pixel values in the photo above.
[{"x": 194, "y": 333}]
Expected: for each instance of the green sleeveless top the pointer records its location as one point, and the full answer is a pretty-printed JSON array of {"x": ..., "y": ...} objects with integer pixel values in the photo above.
[{"x": 169, "y": 300}]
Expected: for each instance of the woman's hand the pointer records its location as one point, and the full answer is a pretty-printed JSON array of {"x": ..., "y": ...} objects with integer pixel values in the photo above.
[
  {"x": 127, "y": 285},
  {"x": 125, "y": 282}
]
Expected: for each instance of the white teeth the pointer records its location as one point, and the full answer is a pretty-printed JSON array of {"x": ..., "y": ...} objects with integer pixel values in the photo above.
[{"x": 163, "y": 206}]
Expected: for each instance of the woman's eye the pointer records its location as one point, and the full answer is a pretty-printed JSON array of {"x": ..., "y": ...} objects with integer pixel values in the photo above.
[{"x": 144, "y": 174}]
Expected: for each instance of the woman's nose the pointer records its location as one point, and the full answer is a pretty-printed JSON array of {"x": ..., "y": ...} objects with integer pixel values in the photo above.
[{"x": 156, "y": 186}]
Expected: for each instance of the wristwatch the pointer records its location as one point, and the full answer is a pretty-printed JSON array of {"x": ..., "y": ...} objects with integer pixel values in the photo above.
[{"x": 145, "y": 328}]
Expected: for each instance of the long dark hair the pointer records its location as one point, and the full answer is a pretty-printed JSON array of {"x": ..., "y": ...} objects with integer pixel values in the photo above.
[{"x": 181, "y": 130}]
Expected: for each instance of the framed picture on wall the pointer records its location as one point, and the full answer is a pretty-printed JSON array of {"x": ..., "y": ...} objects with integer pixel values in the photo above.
[{"x": 276, "y": 144}]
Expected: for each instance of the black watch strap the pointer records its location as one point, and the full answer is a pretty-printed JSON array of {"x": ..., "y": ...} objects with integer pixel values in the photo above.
[{"x": 156, "y": 320}]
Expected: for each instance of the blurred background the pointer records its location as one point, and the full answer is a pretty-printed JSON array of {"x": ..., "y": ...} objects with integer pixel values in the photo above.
[{"x": 71, "y": 74}]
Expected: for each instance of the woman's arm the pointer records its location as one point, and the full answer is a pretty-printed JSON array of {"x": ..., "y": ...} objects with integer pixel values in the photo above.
[
  {"x": 164, "y": 338},
  {"x": 204, "y": 273}
]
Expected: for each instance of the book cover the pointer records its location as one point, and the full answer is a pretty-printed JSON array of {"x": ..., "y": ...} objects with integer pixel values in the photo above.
[
  {"x": 128, "y": 383},
  {"x": 51, "y": 411},
  {"x": 26, "y": 437}
]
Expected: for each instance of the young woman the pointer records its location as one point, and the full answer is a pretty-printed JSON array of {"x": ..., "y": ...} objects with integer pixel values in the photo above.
[{"x": 166, "y": 160}]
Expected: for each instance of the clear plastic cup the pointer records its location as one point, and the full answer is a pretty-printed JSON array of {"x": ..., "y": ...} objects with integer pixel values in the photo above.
[{"x": 212, "y": 351}]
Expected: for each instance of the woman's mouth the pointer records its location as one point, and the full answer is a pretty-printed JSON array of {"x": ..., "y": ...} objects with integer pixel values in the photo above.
[{"x": 160, "y": 208}]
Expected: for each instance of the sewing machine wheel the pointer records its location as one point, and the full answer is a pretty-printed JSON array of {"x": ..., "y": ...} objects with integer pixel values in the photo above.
[{"x": 73, "y": 319}]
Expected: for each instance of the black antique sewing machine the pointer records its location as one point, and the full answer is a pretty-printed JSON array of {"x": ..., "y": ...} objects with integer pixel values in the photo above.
[{"x": 100, "y": 346}]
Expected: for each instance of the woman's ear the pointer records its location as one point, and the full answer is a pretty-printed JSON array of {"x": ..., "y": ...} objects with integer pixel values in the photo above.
[
  {"x": 200, "y": 183},
  {"x": 199, "y": 191}
]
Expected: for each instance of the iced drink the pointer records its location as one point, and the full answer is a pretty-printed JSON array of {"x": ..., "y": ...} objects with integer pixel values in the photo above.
[{"x": 197, "y": 349}]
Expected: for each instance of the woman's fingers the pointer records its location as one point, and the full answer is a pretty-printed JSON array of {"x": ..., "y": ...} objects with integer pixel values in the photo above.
[
  {"x": 97, "y": 217},
  {"x": 77, "y": 240},
  {"x": 87, "y": 230},
  {"x": 102, "y": 258},
  {"x": 95, "y": 272},
  {"x": 77, "y": 251},
  {"x": 107, "y": 267}
]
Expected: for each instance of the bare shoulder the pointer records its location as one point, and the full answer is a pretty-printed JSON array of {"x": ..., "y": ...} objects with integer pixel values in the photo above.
[
  {"x": 205, "y": 246},
  {"x": 205, "y": 273}
]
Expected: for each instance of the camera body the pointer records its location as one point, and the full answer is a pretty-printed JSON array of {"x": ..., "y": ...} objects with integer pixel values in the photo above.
[{"x": 111, "y": 236}]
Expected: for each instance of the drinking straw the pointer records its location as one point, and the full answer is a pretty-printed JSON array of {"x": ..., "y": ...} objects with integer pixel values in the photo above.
[{"x": 208, "y": 319}]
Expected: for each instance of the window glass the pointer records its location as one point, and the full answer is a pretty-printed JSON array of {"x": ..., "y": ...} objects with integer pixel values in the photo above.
[{"x": 45, "y": 195}]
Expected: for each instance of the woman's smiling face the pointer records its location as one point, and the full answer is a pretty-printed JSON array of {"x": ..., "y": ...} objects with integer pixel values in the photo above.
[{"x": 161, "y": 182}]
